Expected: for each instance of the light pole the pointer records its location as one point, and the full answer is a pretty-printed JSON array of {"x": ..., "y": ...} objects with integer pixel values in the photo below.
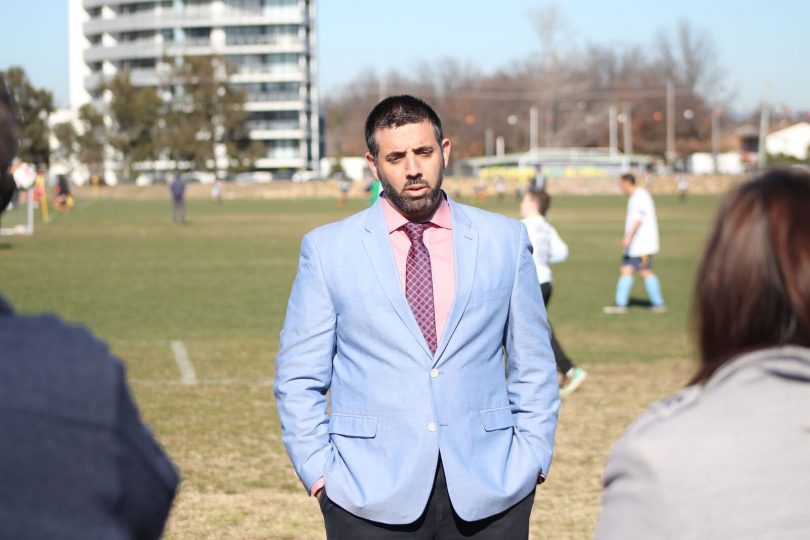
[{"x": 512, "y": 120}]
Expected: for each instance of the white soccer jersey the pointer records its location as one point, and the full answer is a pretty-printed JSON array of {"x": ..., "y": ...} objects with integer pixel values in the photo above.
[
  {"x": 547, "y": 246},
  {"x": 640, "y": 207}
]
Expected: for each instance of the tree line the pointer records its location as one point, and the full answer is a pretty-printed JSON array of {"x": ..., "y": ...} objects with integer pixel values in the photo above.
[
  {"x": 185, "y": 121},
  {"x": 572, "y": 88}
]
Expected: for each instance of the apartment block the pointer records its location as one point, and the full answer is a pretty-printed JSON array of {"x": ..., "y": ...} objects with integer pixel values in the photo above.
[{"x": 271, "y": 45}]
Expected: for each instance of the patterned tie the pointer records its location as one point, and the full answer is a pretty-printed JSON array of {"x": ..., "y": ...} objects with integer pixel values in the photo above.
[{"x": 419, "y": 282}]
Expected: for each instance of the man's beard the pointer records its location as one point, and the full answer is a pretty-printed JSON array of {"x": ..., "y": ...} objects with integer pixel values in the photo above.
[{"x": 414, "y": 209}]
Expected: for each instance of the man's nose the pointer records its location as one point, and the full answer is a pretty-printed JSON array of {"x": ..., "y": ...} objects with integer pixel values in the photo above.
[{"x": 412, "y": 169}]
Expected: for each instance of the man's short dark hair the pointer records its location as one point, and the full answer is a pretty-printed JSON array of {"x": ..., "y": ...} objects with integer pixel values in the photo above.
[
  {"x": 627, "y": 177},
  {"x": 9, "y": 129},
  {"x": 396, "y": 111},
  {"x": 541, "y": 198}
]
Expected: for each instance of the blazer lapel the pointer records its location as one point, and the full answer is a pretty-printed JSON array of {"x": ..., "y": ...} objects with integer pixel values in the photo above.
[
  {"x": 465, "y": 253},
  {"x": 378, "y": 247}
]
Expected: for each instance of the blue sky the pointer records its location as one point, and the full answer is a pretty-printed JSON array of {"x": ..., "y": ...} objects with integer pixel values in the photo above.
[{"x": 758, "y": 43}]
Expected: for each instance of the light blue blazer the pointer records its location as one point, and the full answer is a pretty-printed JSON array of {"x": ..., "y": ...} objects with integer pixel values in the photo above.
[{"x": 487, "y": 400}]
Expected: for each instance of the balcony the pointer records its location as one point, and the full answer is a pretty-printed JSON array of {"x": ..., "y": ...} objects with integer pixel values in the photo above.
[
  {"x": 144, "y": 48},
  {"x": 258, "y": 15},
  {"x": 270, "y": 125},
  {"x": 272, "y": 96}
]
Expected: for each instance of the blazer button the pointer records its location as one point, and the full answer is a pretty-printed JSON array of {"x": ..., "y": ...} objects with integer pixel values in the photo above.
[
  {"x": 434, "y": 373},
  {"x": 431, "y": 427}
]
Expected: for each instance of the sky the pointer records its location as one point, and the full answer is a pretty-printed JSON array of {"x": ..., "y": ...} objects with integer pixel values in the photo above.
[{"x": 759, "y": 45}]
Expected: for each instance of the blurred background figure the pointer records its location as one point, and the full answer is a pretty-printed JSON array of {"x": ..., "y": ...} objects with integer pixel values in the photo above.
[
  {"x": 549, "y": 248},
  {"x": 75, "y": 459},
  {"x": 500, "y": 188},
  {"x": 64, "y": 199},
  {"x": 683, "y": 187},
  {"x": 216, "y": 192},
  {"x": 639, "y": 244},
  {"x": 538, "y": 183},
  {"x": 729, "y": 456},
  {"x": 374, "y": 188},
  {"x": 178, "y": 189},
  {"x": 345, "y": 185}
]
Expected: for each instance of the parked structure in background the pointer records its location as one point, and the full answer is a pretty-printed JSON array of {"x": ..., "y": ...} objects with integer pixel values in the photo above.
[
  {"x": 792, "y": 141},
  {"x": 271, "y": 45}
]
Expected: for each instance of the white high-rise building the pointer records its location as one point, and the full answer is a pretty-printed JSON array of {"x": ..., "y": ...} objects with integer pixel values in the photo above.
[{"x": 270, "y": 43}]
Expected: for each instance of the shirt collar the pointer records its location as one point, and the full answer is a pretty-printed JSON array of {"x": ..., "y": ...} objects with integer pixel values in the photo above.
[{"x": 394, "y": 220}]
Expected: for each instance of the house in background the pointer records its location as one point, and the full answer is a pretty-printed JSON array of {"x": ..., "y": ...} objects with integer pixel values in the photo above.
[{"x": 793, "y": 141}]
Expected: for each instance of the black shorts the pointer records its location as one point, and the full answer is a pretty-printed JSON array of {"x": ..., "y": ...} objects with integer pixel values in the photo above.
[{"x": 639, "y": 263}]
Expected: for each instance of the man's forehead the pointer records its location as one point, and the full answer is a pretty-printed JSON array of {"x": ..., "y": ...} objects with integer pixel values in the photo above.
[{"x": 406, "y": 136}]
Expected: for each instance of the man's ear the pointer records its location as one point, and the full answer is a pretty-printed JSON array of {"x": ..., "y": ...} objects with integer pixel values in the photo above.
[
  {"x": 372, "y": 164},
  {"x": 446, "y": 151}
]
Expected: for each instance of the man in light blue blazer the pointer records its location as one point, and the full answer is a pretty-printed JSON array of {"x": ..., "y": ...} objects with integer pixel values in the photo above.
[{"x": 423, "y": 320}]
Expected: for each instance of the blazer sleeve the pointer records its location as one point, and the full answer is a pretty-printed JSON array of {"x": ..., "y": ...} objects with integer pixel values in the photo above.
[
  {"x": 304, "y": 368},
  {"x": 531, "y": 373},
  {"x": 631, "y": 501}
]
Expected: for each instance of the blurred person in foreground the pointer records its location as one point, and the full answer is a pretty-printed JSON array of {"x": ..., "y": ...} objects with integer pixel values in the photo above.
[
  {"x": 443, "y": 395},
  {"x": 728, "y": 457},
  {"x": 75, "y": 459},
  {"x": 549, "y": 248},
  {"x": 639, "y": 244}
]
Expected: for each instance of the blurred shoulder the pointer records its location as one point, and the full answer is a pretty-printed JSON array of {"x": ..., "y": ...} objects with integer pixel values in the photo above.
[
  {"x": 53, "y": 366},
  {"x": 484, "y": 221}
]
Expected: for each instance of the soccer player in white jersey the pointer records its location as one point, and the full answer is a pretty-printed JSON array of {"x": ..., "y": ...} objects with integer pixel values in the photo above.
[{"x": 639, "y": 244}]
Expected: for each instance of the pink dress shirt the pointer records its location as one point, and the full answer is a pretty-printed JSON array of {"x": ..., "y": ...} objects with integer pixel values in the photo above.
[{"x": 439, "y": 242}]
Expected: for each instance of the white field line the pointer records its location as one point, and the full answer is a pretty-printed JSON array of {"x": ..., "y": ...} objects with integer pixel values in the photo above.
[{"x": 187, "y": 375}]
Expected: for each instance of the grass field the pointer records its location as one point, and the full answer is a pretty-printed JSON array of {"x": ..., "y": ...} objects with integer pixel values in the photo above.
[{"x": 220, "y": 285}]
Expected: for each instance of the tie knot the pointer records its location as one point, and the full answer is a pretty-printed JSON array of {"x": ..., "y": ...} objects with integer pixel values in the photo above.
[{"x": 415, "y": 230}]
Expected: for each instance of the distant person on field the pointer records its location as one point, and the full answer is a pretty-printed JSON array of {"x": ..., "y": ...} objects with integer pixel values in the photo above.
[
  {"x": 76, "y": 461},
  {"x": 549, "y": 248},
  {"x": 539, "y": 181},
  {"x": 728, "y": 457},
  {"x": 639, "y": 244},
  {"x": 345, "y": 185},
  {"x": 500, "y": 188},
  {"x": 374, "y": 188},
  {"x": 683, "y": 187},
  {"x": 216, "y": 192},
  {"x": 64, "y": 199},
  {"x": 178, "y": 189}
]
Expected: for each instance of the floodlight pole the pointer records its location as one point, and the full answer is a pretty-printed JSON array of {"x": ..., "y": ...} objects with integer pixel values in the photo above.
[
  {"x": 612, "y": 119},
  {"x": 533, "y": 127},
  {"x": 670, "y": 154},
  {"x": 764, "y": 119}
]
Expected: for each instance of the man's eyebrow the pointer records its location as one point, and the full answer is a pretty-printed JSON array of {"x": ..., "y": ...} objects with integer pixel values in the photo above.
[{"x": 394, "y": 154}]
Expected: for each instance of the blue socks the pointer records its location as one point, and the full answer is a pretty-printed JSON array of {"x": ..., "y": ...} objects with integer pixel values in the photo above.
[
  {"x": 623, "y": 287},
  {"x": 654, "y": 290}
]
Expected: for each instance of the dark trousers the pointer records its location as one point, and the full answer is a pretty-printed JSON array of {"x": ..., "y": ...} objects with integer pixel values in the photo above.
[
  {"x": 437, "y": 522},
  {"x": 564, "y": 364}
]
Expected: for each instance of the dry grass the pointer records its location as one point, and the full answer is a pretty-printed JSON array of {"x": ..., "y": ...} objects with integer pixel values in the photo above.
[
  {"x": 220, "y": 285},
  {"x": 239, "y": 484}
]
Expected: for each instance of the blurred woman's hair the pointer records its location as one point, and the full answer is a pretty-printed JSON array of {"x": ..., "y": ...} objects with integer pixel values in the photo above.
[{"x": 753, "y": 284}]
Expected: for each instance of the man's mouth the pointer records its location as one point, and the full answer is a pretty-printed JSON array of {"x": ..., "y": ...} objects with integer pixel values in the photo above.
[{"x": 417, "y": 189}]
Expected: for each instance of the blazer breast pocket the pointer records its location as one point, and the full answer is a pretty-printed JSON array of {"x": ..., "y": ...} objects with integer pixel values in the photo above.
[
  {"x": 488, "y": 295},
  {"x": 495, "y": 419},
  {"x": 351, "y": 425}
]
